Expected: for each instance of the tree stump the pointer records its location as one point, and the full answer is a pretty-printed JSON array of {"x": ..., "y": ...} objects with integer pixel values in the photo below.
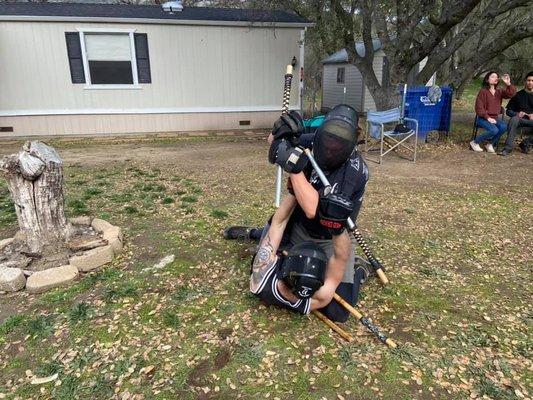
[{"x": 35, "y": 180}]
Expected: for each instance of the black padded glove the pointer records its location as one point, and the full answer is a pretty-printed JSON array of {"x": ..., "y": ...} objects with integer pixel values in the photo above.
[
  {"x": 288, "y": 126},
  {"x": 292, "y": 159}
]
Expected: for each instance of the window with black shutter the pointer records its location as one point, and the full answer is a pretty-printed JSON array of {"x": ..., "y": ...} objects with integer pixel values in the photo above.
[
  {"x": 118, "y": 58},
  {"x": 340, "y": 75},
  {"x": 75, "y": 59},
  {"x": 143, "y": 59}
]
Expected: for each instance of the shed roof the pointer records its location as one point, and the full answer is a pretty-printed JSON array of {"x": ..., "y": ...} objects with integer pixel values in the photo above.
[
  {"x": 146, "y": 14},
  {"x": 341, "y": 56}
]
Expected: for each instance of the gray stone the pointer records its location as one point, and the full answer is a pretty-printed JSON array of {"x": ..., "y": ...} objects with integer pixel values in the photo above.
[
  {"x": 83, "y": 220},
  {"x": 20, "y": 237},
  {"x": 5, "y": 242},
  {"x": 116, "y": 244},
  {"x": 92, "y": 259},
  {"x": 99, "y": 225},
  {"x": 21, "y": 262},
  {"x": 11, "y": 279},
  {"x": 42, "y": 281},
  {"x": 114, "y": 236},
  {"x": 113, "y": 231}
]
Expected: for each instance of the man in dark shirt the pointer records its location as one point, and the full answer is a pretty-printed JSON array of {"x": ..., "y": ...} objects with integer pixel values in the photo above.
[{"x": 520, "y": 109}]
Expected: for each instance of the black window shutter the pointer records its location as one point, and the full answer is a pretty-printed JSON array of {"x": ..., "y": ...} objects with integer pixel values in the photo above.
[
  {"x": 143, "y": 59},
  {"x": 74, "y": 57}
]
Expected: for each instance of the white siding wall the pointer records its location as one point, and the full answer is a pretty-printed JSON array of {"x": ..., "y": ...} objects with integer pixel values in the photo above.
[{"x": 207, "y": 67}]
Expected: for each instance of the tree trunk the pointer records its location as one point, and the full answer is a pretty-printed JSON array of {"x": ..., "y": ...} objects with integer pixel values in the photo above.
[
  {"x": 385, "y": 98},
  {"x": 35, "y": 180}
]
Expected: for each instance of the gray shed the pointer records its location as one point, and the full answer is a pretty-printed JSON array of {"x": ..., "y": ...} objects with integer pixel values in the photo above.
[{"x": 342, "y": 82}]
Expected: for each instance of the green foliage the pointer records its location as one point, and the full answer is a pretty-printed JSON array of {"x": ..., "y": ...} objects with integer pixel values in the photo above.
[
  {"x": 219, "y": 214},
  {"x": 77, "y": 207},
  {"x": 78, "y": 313},
  {"x": 40, "y": 326}
]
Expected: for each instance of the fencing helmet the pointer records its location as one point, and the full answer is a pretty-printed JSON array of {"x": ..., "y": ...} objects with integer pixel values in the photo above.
[
  {"x": 304, "y": 269},
  {"x": 336, "y": 138}
]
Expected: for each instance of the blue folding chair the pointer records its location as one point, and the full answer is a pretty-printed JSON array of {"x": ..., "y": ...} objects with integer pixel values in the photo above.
[{"x": 390, "y": 140}]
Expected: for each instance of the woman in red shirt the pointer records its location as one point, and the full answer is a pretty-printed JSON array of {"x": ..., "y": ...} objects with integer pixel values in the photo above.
[{"x": 488, "y": 109}]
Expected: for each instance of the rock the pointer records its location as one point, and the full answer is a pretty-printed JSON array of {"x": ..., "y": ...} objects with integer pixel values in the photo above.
[
  {"x": 20, "y": 237},
  {"x": 82, "y": 244},
  {"x": 50, "y": 261},
  {"x": 17, "y": 263},
  {"x": 92, "y": 259},
  {"x": 83, "y": 220},
  {"x": 11, "y": 279},
  {"x": 113, "y": 231},
  {"x": 42, "y": 281},
  {"x": 5, "y": 242},
  {"x": 116, "y": 244},
  {"x": 99, "y": 225},
  {"x": 161, "y": 264},
  {"x": 114, "y": 236}
]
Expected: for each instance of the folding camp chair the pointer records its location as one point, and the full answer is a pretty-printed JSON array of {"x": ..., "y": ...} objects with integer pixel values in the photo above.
[{"x": 390, "y": 140}]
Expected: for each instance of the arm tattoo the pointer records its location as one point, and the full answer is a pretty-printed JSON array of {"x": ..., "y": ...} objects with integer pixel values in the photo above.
[{"x": 263, "y": 261}]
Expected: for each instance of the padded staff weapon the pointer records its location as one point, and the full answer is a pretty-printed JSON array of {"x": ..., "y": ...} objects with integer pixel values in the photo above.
[
  {"x": 351, "y": 225},
  {"x": 365, "y": 321},
  {"x": 345, "y": 335},
  {"x": 284, "y": 110}
]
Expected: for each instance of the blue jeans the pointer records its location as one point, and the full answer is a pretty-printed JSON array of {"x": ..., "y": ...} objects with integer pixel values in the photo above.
[{"x": 493, "y": 132}]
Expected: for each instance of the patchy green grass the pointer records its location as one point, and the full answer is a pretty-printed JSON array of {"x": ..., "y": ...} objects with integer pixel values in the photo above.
[
  {"x": 7, "y": 208},
  {"x": 458, "y": 303}
]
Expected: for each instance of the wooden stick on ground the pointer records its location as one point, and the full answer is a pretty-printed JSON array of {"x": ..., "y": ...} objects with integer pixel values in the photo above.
[
  {"x": 365, "y": 321},
  {"x": 345, "y": 335}
]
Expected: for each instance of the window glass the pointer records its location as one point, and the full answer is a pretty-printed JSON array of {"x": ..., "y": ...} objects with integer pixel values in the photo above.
[
  {"x": 109, "y": 58},
  {"x": 340, "y": 75}
]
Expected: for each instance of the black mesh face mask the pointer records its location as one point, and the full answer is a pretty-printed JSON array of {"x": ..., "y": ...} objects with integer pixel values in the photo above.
[{"x": 334, "y": 142}]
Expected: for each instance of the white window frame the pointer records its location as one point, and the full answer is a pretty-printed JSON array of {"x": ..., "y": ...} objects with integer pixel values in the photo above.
[{"x": 88, "y": 84}]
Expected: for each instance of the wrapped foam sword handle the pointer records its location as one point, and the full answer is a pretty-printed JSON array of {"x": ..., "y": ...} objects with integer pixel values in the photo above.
[
  {"x": 351, "y": 226},
  {"x": 284, "y": 110}
]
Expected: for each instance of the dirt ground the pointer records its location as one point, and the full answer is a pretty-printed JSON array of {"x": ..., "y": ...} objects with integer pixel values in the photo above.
[{"x": 448, "y": 164}]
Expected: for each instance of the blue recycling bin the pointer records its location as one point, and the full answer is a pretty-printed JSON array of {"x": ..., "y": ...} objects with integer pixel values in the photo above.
[{"x": 432, "y": 110}]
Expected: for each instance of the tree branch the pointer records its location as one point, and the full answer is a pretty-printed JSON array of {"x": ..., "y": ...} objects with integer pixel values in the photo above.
[
  {"x": 485, "y": 20},
  {"x": 490, "y": 51}
]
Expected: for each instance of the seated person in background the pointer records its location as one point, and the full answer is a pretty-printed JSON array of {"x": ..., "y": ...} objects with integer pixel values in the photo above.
[
  {"x": 488, "y": 108},
  {"x": 520, "y": 109}
]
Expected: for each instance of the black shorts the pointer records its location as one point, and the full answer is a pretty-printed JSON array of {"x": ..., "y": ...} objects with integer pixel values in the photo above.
[{"x": 270, "y": 295}]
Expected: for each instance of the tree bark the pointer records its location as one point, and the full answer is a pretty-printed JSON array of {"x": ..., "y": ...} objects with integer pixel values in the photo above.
[{"x": 35, "y": 180}]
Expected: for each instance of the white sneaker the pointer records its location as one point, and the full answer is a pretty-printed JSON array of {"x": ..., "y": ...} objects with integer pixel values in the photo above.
[
  {"x": 489, "y": 148},
  {"x": 476, "y": 147}
]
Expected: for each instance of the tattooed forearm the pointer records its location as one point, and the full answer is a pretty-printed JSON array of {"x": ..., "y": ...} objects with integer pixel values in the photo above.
[{"x": 262, "y": 262}]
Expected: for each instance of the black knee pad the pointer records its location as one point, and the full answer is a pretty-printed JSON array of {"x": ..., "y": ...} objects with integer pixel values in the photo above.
[{"x": 350, "y": 293}]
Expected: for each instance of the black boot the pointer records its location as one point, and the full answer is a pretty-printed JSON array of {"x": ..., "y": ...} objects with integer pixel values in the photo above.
[
  {"x": 524, "y": 146},
  {"x": 237, "y": 233},
  {"x": 505, "y": 152}
]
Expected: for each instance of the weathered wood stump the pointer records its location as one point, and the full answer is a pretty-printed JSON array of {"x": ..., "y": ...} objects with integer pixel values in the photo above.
[
  {"x": 35, "y": 180},
  {"x": 49, "y": 250}
]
